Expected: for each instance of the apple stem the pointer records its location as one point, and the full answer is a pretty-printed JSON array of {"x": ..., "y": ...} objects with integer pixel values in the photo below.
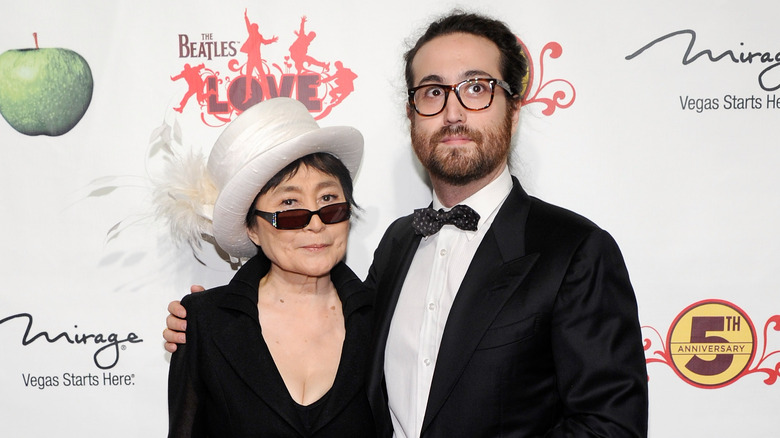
[{"x": 35, "y": 37}]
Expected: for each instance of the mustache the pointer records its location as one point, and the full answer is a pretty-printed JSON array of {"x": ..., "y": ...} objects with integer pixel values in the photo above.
[{"x": 459, "y": 130}]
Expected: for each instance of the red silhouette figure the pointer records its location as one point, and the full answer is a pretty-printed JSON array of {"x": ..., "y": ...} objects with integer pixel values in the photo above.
[
  {"x": 195, "y": 84},
  {"x": 254, "y": 61},
  {"x": 343, "y": 80},
  {"x": 300, "y": 48}
]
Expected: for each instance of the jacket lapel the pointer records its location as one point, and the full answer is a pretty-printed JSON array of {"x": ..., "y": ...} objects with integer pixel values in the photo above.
[
  {"x": 395, "y": 261},
  {"x": 404, "y": 250},
  {"x": 250, "y": 359},
  {"x": 352, "y": 365},
  {"x": 499, "y": 267}
]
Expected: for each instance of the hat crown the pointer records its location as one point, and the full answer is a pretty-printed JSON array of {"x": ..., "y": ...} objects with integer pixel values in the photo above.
[{"x": 256, "y": 131}]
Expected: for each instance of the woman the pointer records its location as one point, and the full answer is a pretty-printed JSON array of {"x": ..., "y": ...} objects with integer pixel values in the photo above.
[{"x": 281, "y": 350}]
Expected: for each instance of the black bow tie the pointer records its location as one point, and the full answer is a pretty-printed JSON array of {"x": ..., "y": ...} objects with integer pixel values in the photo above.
[{"x": 428, "y": 221}]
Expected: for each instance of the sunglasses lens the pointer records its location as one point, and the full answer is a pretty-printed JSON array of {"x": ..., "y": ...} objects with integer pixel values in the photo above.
[
  {"x": 333, "y": 214},
  {"x": 297, "y": 219},
  {"x": 292, "y": 219}
]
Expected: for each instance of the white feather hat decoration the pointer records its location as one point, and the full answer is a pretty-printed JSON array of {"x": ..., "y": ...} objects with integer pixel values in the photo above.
[{"x": 185, "y": 196}]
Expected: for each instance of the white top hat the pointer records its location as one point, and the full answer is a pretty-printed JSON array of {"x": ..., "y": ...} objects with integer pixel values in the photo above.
[{"x": 256, "y": 146}]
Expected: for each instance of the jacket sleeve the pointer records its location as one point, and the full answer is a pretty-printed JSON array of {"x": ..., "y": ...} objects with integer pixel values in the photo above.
[
  {"x": 597, "y": 346},
  {"x": 184, "y": 387}
]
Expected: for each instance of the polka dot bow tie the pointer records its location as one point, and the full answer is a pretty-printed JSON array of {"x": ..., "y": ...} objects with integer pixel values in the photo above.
[{"x": 428, "y": 221}]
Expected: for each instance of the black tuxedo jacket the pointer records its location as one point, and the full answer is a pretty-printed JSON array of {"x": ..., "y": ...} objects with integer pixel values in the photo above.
[{"x": 543, "y": 338}]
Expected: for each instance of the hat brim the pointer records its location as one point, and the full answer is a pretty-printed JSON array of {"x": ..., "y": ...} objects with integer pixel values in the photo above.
[{"x": 235, "y": 199}]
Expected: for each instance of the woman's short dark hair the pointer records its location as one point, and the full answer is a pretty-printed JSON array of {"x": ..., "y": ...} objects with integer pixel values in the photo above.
[
  {"x": 322, "y": 161},
  {"x": 512, "y": 63}
]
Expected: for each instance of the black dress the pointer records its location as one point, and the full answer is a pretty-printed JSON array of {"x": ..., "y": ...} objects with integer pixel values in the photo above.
[{"x": 224, "y": 383}]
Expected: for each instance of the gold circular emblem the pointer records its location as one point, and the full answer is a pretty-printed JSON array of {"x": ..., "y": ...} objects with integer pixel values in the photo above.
[{"x": 711, "y": 343}]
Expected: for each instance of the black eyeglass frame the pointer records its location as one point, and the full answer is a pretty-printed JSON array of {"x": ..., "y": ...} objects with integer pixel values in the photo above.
[
  {"x": 456, "y": 88},
  {"x": 273, "y": 218}
]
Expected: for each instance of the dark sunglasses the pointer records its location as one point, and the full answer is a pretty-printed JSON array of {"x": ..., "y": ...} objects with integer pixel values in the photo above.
[{"x": 299, "y": 218}]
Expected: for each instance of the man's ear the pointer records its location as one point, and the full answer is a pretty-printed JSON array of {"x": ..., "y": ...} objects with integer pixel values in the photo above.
[
  {"x": 516, "y": 114},
  {"x": 409, "y": 112}
]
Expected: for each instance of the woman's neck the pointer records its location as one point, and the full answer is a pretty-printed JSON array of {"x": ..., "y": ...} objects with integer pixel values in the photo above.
[{"x": 281, "y": 285}]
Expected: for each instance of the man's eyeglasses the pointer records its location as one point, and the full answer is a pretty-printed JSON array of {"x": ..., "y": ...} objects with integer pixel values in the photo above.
[
  {"x": 473, "y": 94},
  {"x": 299, "y": 218}
]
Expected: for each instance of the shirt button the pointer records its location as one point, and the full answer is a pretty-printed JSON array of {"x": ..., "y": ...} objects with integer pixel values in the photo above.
[
  {"x": 443, "y": 252},
  {"x": 427, "y": 362},
  {"x": 431, "y": 306}
]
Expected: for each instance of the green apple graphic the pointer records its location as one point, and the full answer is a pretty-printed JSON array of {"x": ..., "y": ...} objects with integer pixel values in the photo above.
[{"x": 44, "y": 91}]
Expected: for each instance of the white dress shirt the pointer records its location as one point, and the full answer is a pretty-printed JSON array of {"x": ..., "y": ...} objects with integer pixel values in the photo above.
[{"x": 428, "y": 292}]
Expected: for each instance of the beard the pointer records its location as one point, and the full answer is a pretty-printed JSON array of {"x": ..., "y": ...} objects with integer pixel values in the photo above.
[{"x": 462, "y": 165}]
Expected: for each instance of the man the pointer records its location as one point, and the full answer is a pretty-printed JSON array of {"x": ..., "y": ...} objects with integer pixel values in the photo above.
[{"x": 525, "y": 323}]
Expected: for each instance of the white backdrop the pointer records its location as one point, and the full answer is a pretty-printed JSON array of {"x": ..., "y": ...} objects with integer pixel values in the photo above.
[{"x": 689, "y": 194}]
